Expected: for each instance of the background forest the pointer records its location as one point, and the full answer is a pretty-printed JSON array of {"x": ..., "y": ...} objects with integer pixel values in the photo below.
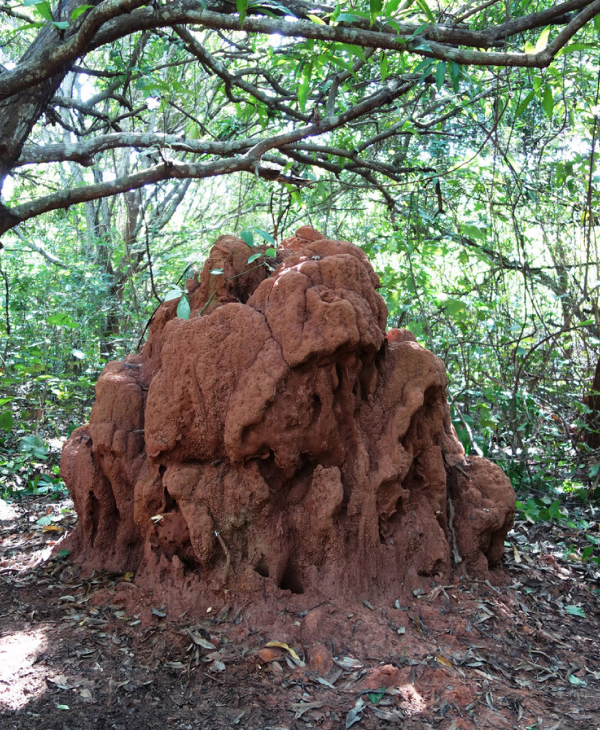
[{"x": 472, "y": 187}]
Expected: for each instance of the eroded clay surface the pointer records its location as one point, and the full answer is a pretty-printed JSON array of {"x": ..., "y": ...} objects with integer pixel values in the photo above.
[{"x": 280, "y": 435}]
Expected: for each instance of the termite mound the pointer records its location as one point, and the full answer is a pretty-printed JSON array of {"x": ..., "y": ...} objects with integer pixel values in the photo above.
[{"x": 279, "y": 437}]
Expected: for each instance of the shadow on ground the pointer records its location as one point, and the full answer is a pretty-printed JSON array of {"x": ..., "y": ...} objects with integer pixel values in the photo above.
[{"x": 96, "y": 653}]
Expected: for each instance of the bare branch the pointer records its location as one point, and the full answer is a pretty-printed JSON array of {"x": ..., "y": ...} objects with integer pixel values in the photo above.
[
  {"x": 83, "y": 152},
  {"x": 26, "y": 241}
]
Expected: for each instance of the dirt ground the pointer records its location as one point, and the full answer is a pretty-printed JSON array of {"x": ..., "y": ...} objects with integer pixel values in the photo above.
[{"x": 77, "y": 654}]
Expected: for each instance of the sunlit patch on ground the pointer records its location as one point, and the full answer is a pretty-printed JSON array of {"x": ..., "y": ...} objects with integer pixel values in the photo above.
[
  {"x": 412, "y": 702},
  {"x": 7, "y": 511},
  {"x": 21, "y": 679},
  {"x": 27, "y": 538}
]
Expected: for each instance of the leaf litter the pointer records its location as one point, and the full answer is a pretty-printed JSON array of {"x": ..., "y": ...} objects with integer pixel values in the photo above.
[{"x": 521, "y": 653}]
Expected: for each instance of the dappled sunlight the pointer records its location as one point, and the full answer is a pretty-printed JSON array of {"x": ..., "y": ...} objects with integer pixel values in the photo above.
[
  {"x": 22, "y": 678},
  {"x": 412, "y": 702},
  {"x": 7, "y": 511}
]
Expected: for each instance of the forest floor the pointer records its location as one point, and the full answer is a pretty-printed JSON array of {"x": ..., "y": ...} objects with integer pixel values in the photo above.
[{"x": 96, "y": 653}]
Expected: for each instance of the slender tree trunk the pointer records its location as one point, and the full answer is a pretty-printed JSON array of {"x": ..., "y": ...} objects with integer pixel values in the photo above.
[{"x": 591, "y": 434}]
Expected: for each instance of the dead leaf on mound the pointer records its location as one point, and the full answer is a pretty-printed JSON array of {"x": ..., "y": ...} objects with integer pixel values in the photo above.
[
  {"x": 301, "y": 707},
  {"x": 86, "y": 696},
  {"x": 174, "y": 665},
  {"x": 355, "y": 713},
  {"x": 325, "y": 683},
  {"x": 292, "y": 653},
  {"x": 389, "y": 715},
  {"x": 348, "y": 663},
  {"x": 200, "y": 640},
  {"x": 62, "y": 682},
  {"x": 216, "y": 666}
]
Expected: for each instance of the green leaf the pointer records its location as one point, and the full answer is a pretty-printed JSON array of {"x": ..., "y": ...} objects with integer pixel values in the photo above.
[
  {"x": 303, "y": 90},
  {"x": 27, "y": 26},
  {"x": 43, "y": 8},
  {"x": 6, "y": 420},
  {"x": 468, "y": 229},
  {"x": 254, "y": 257},
  {"x": 573, "y": 47},
  {"x": 80, "y": 11},
  {"x": 62, "y": 24},
  {"x": 316, "y": 19},
  {"x": 587, "y": 552},
  {"x": 383, "y": 66},
  {"x": 346, "y": 18},
  {"x": 425, "y": 8},
  {"x": 440, "y": 74},
  {"x": 542, "y": 41},
  {"x": 391, "y": 6},
  {"x": 353, "y": 50},
  {"x": 548, "y": 102},
  {"x": 421, "y": 45},
  {"x": 455, "y": 75},
  {"x": 376, "y": 697},
  {"x": 454, "y": 306},
  {"x": 173, "y": 294},
  {"x": 242, "y": 7},
  {"x": 216, "y": 272},
  {"x": 575, "y": 611},
  {"x": 247, "y": 238},
  {"x": 62, "y": 320},
  {"x": 34, "y": 446},
  {"x": 424, "y": 67},
  {"x": 271, "y": 253},
  {"x": 79, "y": 354},
  {"x": 576, "y": 681},
  {"x": 524, "y": 104},
  {"x": 183, "y": 308},
  {"x": 375, "y": 7},
  {"x": 45, "y": 520},
  {"x": 597, "y": 23},
  {"x": 266, "y": 236}
]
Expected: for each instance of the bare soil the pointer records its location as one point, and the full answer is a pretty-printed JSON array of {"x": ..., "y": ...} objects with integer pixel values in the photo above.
[{"x": 97, "y": 652}]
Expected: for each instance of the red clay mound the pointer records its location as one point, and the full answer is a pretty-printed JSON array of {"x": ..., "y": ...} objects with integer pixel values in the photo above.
[{"x": 279, "y": 437}]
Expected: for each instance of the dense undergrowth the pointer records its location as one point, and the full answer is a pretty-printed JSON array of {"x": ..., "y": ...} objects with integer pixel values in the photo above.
[{"x": 519, "y": 378}]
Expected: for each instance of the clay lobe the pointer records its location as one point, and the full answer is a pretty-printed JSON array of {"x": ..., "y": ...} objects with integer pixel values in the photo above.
[{"x": 281, "y": 435}]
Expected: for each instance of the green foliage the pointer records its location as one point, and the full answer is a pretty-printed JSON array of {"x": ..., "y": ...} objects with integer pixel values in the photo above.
[
  {"x": 183, "y": 308},
  {"x": 541, "y": 509},
  {"x": 477, "y": 204}
]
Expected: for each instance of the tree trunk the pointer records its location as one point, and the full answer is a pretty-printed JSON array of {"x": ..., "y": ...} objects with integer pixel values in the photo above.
[{"x": 591, "y": 434}]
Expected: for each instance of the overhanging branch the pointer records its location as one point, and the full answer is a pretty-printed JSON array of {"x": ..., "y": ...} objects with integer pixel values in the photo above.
[{"x": 114, "y": 19}]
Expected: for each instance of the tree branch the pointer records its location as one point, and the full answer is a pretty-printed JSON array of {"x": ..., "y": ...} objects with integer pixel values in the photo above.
[
  {"x": 114, "y": 19},
  {"x": 53, "y": 59},
  {"x": 26, "y": 241},
  {"x": 249, "y": 162}
]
